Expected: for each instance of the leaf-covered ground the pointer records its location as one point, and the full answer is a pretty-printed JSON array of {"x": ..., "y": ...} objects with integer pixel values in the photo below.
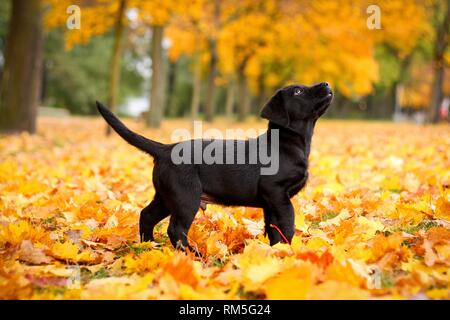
[{"x": 373, "y": 221}]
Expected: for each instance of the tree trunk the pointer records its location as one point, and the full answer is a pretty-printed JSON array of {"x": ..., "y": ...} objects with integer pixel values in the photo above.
[
  {"x": 114, "y": 67},
  {"x": 229, "y": 104},
  {"x": 339, "y": 105},
  {"x": 397, "y": 106},
  {"x": 388, "y": 106},
  {"x": 22, "y": 75},
  {"x": 261, "y": 99},
  {"x": 157, "y": 82},
  {"x": 440, "y": 46},
  {"x": 212, "y": 72},
  {"x": 370, "y": 103},
  {"x": 170, "y": 110},
  {"x": 243, "y": 100},
  {"x": 436, "y": 94},
  {"x": 210, "y": 83},
  {"x": 196, "y": 87},
  {"x": 393, "y": 104},
  {"x": 404, "y": 67}
]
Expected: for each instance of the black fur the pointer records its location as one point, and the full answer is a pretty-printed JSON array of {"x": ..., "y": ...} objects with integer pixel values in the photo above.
[{"x": 182, "y": 189}]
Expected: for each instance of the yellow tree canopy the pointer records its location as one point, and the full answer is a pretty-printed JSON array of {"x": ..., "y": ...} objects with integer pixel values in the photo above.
[
  {"x": 279, "y": 41},
  {"x": 97, "y": 17},
  {"x": 157, "y": 12},
  {"x": 189, "y": 31},
  {"x": 403, "y": 23},
  {"x": 331, "y": 40},
  {"x": 308, "y": 41}
]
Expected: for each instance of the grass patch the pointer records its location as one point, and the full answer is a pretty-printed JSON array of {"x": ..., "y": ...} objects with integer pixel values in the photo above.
[
  {"x": 100, "y": 274},
  {"x": 328, "y": 215},
  {"x": 424, "y": 225}
]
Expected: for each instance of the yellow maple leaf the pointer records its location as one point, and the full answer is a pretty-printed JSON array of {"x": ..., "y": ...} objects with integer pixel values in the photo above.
[
  {"x": 335, "y": 290},
  {"x": 146, "y": 261},
  {"x": 316, "y": 243},
  {"x": 66, "y": 250},
  {"x": 292, "y": 284},
  {"x": 182, "y": 270},
  {"x": 438, "y": 293},
  {"x": 344, "y": 272},
  {"x": 15, "y": 233},
  {"x": 203, "y": 293},
  {"x": 443, "y": 208}
]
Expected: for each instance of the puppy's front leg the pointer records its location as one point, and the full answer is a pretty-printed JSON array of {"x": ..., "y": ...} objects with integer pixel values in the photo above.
[
  {"x": 269, "y": 220},
  {"x": 279, "y": 212},
  {"x": 150, "y": 217}
]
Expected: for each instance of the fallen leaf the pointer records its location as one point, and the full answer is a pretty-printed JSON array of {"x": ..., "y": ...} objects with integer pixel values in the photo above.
[{"x": 28, "y": 253}]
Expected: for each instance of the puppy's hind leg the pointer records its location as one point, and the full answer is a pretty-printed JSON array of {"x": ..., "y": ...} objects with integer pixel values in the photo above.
[
  {"x": 181, "y": 220},
  {"x": 183, "y": 214},
  {"x": 150, "y": 217},
  {"x": 178, "y": 229}
]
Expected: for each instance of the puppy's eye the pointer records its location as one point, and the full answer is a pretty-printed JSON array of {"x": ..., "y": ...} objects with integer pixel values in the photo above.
[{"x": 298, "y": 91}]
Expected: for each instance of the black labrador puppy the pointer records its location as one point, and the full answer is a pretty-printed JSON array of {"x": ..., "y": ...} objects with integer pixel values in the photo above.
[{"x": 183, "y": 187}]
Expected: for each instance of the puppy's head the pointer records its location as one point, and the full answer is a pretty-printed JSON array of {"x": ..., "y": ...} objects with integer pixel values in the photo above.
[{"x": 298, "y": 103}]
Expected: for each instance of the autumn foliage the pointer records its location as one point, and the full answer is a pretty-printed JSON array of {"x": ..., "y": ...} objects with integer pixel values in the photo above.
[
  {"x": 302, "y": 40},
  {"x": 373, "y": 221}
]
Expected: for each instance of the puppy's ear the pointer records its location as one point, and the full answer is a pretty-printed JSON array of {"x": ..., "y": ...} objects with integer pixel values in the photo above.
[{"x": 275, "y": 110}]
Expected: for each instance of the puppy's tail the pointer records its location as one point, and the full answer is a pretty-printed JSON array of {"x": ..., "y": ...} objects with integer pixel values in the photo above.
[{"x": 149, "y": 146}]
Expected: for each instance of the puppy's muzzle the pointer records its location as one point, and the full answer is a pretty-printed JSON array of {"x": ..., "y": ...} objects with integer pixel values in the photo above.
[{"x": 324, "y": 90}]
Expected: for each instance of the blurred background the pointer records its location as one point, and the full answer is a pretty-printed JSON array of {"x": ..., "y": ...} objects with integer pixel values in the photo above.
[{"x": 207, "y": 59}]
